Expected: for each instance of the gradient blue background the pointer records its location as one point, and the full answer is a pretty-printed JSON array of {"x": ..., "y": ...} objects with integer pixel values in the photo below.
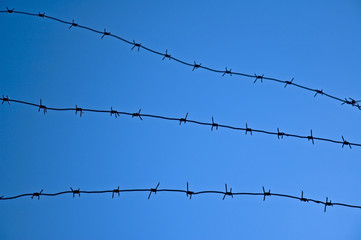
[{"x": 317, "y": 42}]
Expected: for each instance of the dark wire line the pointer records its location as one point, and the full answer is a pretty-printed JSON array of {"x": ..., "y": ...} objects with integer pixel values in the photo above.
[
  {"x": 348, "y": 101},
  {"x": 184, "y": 120},
  {"x": 188, "y": 193}
]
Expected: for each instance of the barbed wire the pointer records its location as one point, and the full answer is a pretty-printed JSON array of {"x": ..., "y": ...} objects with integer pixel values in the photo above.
[
  {"x": 348, "y": 101},
  {"x": 213, "y": 124},
  {"x": 188, "y": 193}
]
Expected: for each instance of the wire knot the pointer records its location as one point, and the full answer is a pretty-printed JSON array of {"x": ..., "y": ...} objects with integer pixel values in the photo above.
[
  {"x": 5, "y": 99},
  {"x": 10, "y": 10},
  {"x": 280, "y": 134},
  {"x": 76, "y": 191},
  {"x": 138, "y": 45},
  {"x": 137, "y": 114},
  {"x": 327, "y": 203},
  {"x": 318, "y": 92},
  {"x": 105, "y": 33},
  {"x": 184, "y": 120},
  {"x": 289, "y": 82},
  {"x": 260, "y": 77},
  {"x": 195, "y": 65},
  {"x": 266, "y": 193},
  {"x": 37, "y": 194},
  {"x": 41, "y": 106},
  {"x": 80, "y": 110},
  {"x": 166, "y": 55},
  {"x": 345, "y": 143},
  {"x": 41, "y": 14},
  {"x": 227, "y": 72},
  {"x": 116, "y": 191},
  {"x": 73, "y": 24},
  {"x": 154, "y": 190},
  {"x": 214, "y": 125},
  {"x": 227, "y": 193},
  {"x": 116, "y": 114},
  {"x": 189, "y": 193},
  {"x": 352, "y": 102}
]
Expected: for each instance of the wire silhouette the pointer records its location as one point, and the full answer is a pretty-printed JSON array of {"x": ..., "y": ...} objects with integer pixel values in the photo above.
[
  {"x": 347, "y": 101},
  {"x": 188, "y": 193},
  {"x": 213, "y": 125}
]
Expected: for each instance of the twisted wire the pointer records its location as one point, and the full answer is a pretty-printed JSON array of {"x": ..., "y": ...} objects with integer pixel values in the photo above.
[
  {"x": 348, "y": 101},
  {"x": 187, "y": 192},
  {"x": 213, "y": 124}
]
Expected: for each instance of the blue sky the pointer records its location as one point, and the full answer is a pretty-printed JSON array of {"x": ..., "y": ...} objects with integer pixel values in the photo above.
[{"x": 317, "y": 43}]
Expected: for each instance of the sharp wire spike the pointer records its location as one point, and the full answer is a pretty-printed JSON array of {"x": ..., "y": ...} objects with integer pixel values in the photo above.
[
  {"x": 137, "y": 114},
  {"x": 280, "y": 134},
  {"x": 73, "y": 24},
  {"x": 318, "y": 92},
  {"x": 266, "y": 193},
  {"x": 189, "y": 193},
  {"x": 248, "y": 129},
  {"x": 5, "y": 99},
  {"x": 166, "y": 55},
  {"x": 184, "y": 120},
  {"x": 75, "y": 191},
  {"x": 80, "y": 110},
  {"x": 195, "y": 65},
  {"x": 41, "y": 14},
  {"x": 138, "y": 45},
  {"x": 10, "y": 10},
  {"x": 116, "y": 191},
  {"x": 227, "y": 72},
  {"x": 214, "y": 124},
  {"x": 105, "y": 33},
  {"x": 288, "y": 83},
  {"x": 311, "y": 138},
  {"x": 41, "y": 106},
  {"x": 153, "y": 190},
  {"x": 258, "y": 77}
]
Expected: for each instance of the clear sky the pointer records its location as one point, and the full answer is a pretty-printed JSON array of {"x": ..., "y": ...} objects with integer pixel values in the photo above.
[{"x": 316, "y": 42}]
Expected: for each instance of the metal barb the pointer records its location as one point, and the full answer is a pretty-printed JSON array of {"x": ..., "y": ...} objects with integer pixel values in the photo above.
[
  {"x": 345, "y": 143},
  {"x": 137, "y": 114},
  {"x": 248, "y": 129},
  {"x": 227, "y": 193},
  {"x": 302, "y": 198},
  {"x": 266, "y": 193},
  {"x": 318, "y": 92},
  {"x": 189, "y": 193},
  {"x": 214, "y": 125},
  {"x": 80, "y": 110},
  {"x": 116, "y": 114},
  {"x": 195, "y": 65},
  {"x": 258, "y": 77},
  {"x": 10, "y": 10},
  {"x": 227, "y": 72},
  {"x": 327, "y": 203},
  {"x": 37, "y": 194},
  {"x": 153, "y": 190},
  {"x": 116, "y": 191},
  {"x": 73, "y": 24},
  {"x": 311, "y": 138},
  {"x": 75, "y": 191},
  {"x": 41, "y": 14},
  {"x": 105, "y": 33},
  {"x": 138, "y": 45},
  {"x": 166, "y": 55},
  {"x": 5, "y": 99},
  {"x": 288, "y": 82},
  {"x": 280, "y": 134},
  {"x": 184, "y": 120},
  {"x": 41, "y": 106}
]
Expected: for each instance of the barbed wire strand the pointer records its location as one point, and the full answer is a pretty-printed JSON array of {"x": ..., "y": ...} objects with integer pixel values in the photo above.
[
  {"x": 213, "y": 124},
  {"x": 188, "y": 193},
  {"x": 348, "y": 101}
]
